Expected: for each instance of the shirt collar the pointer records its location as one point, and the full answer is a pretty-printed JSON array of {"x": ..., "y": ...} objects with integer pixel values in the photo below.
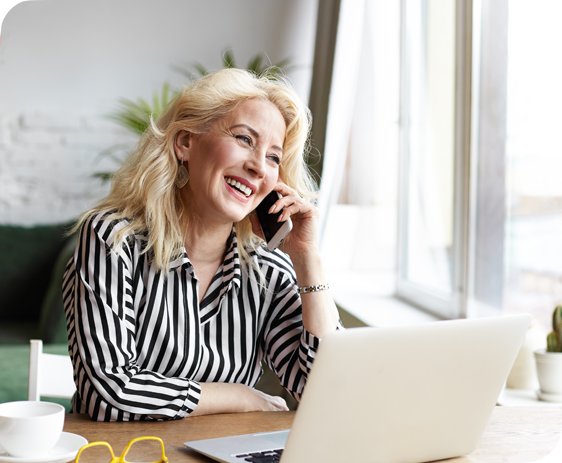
[{"x": 231, "y": 271}]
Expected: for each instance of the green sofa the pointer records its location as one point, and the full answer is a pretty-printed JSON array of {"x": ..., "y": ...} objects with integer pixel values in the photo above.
[{"x": 32, "y": 263}]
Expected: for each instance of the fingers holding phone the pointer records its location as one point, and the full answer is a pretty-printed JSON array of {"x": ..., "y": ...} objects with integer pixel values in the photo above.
[
  {"x": 273, "y": 230},
  {"x": 280, "y": 212}
]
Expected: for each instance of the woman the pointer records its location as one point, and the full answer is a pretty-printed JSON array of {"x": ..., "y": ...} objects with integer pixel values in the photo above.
[{"x": 171, "y": 299}]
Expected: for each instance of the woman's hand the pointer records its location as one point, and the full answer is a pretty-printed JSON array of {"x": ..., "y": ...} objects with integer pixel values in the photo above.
[
  {"x": 303, "y": 238},
  {"x": 319, "y": 313},
  {"x": 235, "y": 398},
  {"x": 258, "y": 401}
]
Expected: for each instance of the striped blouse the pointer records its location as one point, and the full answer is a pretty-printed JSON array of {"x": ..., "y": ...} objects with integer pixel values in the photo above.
[{"x": 140, "y": 342}]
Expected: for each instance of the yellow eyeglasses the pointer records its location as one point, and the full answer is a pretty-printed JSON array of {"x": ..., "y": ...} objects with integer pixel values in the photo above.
[{"x": 155, "y": 444}]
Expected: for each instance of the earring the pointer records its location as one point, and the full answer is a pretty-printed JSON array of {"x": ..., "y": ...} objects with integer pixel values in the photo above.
[{"x": 182, "y": 175}]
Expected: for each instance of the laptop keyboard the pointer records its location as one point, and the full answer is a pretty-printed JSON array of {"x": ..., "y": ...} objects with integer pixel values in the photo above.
[{"x": 269, "y": 456}]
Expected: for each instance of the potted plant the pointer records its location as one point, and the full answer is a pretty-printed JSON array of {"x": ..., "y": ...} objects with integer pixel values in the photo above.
[{"x": 549, "y": 361}]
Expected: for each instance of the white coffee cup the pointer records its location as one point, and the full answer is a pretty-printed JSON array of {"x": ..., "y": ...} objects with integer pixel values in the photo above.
[{"x": 29, "y": 428}]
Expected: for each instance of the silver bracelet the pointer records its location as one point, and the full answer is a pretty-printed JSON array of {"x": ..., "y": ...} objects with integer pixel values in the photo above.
[{"x": 312, "y": 288}]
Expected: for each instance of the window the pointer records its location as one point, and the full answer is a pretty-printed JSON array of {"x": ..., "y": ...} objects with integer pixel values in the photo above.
[
  {"x": 451, "y": 185},
  {"x": 432, "y": 235},
  {"x": 533, "y": 160}
]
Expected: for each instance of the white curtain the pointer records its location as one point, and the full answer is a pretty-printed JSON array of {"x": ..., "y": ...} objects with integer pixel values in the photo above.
[{"x": 342, "y": 94}]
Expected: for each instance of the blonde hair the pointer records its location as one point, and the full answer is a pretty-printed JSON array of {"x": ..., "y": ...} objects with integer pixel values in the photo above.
[{"x": 143, "y": 190}]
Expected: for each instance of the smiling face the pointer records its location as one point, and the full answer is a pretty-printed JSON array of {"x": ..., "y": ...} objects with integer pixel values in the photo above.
[{"x": 234, "y": 166}]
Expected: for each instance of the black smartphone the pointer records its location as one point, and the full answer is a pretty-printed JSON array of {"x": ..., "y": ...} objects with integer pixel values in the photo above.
[{"x": 273, "y": 231}]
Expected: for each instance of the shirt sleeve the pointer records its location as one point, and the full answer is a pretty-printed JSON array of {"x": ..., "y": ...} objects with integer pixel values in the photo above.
[
  {"x": 289, "y": 349},
  {"x": 101, "y": 326}
]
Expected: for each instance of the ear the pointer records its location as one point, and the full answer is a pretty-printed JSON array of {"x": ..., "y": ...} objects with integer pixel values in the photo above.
[{"x": 181, "y": 145}]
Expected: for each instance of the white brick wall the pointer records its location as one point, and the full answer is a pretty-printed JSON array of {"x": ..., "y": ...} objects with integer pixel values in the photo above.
[{"x": 47, "y": 162}]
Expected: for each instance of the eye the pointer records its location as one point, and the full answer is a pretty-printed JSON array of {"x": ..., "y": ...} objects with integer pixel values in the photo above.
[
  {"x": 274, "y": 158},
  {"x": 245, "y": 139}
]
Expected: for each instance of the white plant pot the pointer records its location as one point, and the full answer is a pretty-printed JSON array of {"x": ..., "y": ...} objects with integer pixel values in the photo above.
[
  {"x": 549, "y": 372},
  {"x": 523, "y": 374}
]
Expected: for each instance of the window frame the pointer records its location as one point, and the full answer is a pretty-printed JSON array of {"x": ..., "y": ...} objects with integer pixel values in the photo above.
[{"x": 445, "y": 305}]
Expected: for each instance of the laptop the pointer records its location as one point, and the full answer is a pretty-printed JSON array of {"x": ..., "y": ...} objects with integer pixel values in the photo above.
[{"x": 405, "y": 394}]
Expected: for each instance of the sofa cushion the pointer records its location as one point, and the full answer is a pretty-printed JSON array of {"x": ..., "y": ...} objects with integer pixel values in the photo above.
[
  {"x": 52, "y": 326},
  {"x": 27, "y": 257}
]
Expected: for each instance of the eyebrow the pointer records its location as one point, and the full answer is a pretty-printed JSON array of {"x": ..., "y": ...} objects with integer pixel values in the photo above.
[{"x": 257, "y": 135}]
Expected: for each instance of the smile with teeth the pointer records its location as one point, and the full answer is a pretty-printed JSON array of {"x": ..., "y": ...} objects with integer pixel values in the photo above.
[{"x": 239, "y": 186}]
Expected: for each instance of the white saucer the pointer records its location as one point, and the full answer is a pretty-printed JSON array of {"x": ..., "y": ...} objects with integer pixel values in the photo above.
[
  {"x": 549, "y": 397},
  {"x": 65, "y": 450}
]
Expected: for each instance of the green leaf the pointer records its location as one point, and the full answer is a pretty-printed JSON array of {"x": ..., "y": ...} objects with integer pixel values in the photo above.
[
  {"x": 103, "y": 176},
  {"x": 131, "y": 123},
  {"x": 144, "y": 106},
  {"x": 135, "y": 115},
  {"x": 228, "y": 59},
  {"x": 255, "y": 63},
  {"x": 200, "y": 69},
  {"x": 284, "y": 63},
  {"x": 155, "y": 104}
]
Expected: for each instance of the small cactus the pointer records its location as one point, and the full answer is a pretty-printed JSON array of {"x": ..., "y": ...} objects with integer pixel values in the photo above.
[{"x": 554, "y": 338}]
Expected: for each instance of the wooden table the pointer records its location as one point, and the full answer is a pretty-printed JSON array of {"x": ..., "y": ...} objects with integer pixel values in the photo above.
[
  {"x": 513, "y": 435},
  {"x": 174, "y": 433}
]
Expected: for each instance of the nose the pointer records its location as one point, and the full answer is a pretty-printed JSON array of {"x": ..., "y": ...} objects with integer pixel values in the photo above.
[{"x": 256, "y": 164}]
